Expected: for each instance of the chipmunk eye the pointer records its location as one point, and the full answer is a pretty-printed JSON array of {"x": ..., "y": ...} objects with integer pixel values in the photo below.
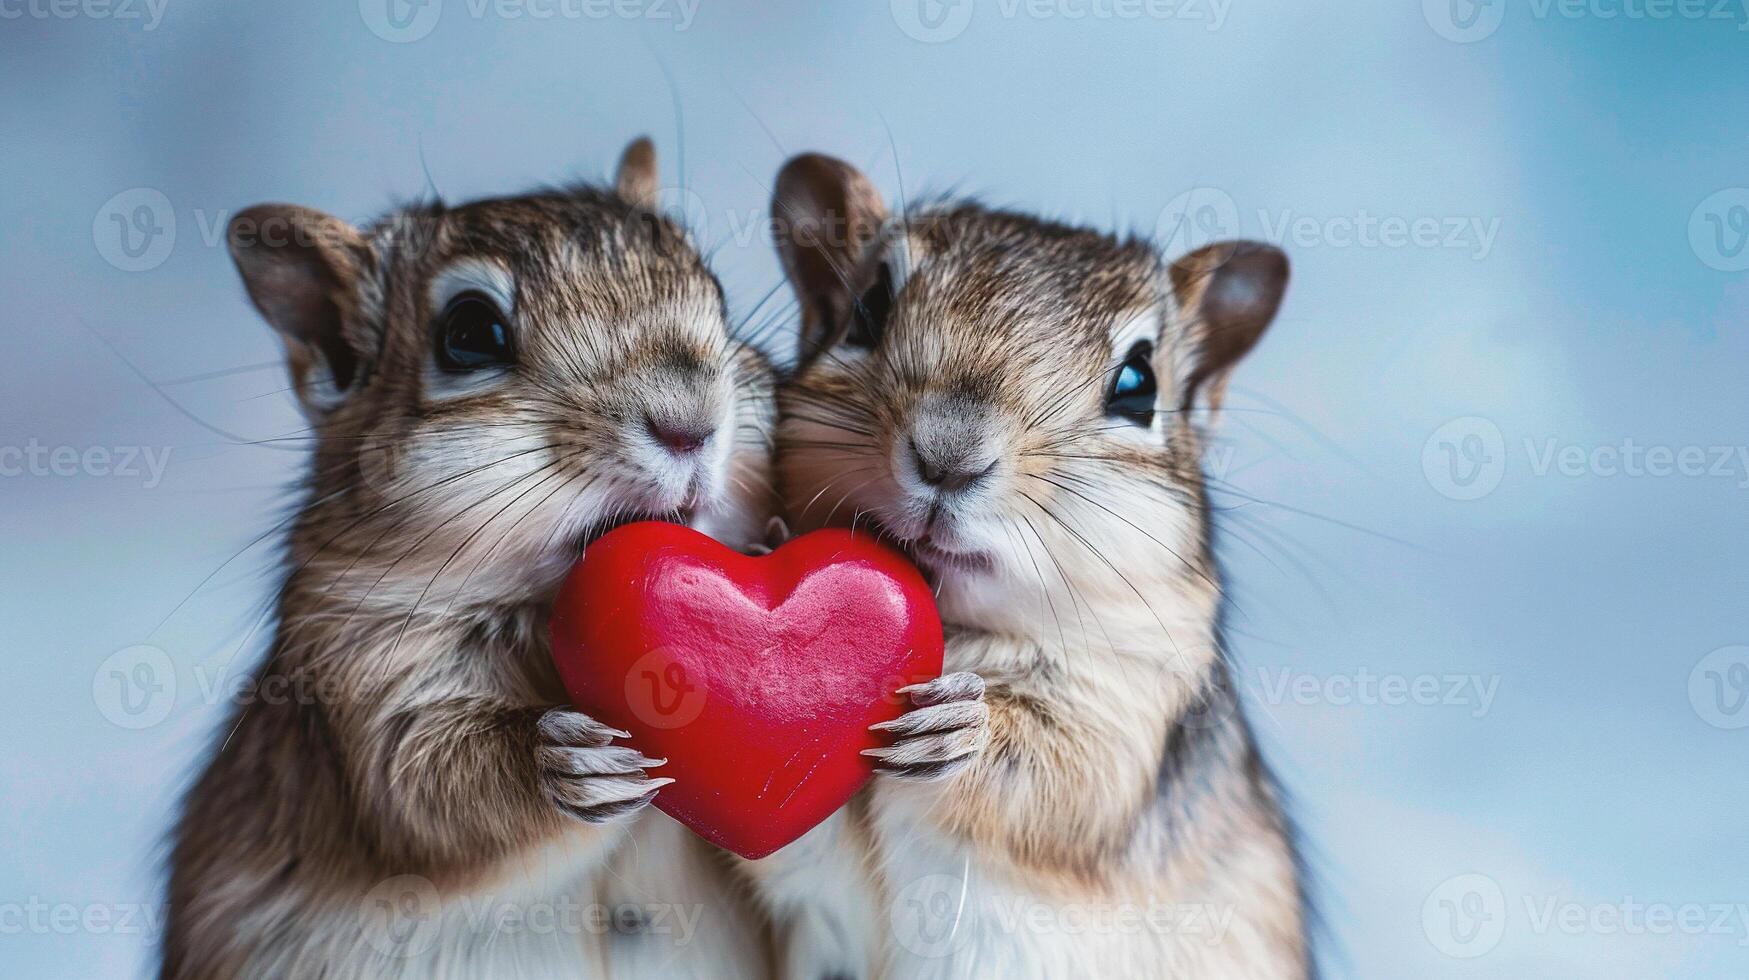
[
  {"x": 868, "y": 316},
  {"x": 471, "y": 335},
  {"x": 1133, "y": 391}
]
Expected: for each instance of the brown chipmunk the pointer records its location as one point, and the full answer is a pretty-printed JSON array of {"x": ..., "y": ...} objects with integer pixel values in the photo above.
[
  {"x": 1013, "y": 402},
  {"x": 491, "y": 386}
]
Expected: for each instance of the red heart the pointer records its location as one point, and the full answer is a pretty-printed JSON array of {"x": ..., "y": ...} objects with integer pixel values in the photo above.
[{"x": 756, "y": 677}]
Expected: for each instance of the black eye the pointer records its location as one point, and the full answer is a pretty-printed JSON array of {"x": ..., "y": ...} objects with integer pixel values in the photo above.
[
  {"x": 868, "y": 317},
  {"x": 471, "y": 335},
  {"x": 1133, "y": 390}
]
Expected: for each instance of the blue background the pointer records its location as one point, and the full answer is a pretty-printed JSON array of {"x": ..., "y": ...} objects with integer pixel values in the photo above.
[{"x": 1400, "y": 378}]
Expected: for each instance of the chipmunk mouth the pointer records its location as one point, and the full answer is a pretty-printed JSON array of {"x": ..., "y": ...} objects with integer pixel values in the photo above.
[{"x": 935, "y": 560}]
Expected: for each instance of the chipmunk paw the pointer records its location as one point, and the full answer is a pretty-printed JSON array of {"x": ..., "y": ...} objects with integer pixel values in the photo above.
[
  {"x": 946, "y": 727},
  {"x": 586, "y": 776}
]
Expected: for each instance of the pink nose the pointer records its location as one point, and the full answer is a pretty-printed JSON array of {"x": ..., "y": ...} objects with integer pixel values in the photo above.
[{"x": 681, "y": 440}]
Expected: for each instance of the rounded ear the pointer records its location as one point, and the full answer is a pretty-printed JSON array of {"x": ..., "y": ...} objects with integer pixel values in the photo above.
[
  {"x": 637, "y": 179},
  {"x": 302, "y": 269},
  {"x": 824, "y": 215},
  {"x": 1227, "y": 294}
]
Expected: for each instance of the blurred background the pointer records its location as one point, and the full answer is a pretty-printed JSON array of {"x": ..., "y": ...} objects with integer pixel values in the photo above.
[{"x": 1483, "y": 486}]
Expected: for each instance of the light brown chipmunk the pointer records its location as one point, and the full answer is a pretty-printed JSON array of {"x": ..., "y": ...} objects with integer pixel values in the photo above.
[
  {"x": 1012, "y": 401},
  {"x": 491, "y": 386}
]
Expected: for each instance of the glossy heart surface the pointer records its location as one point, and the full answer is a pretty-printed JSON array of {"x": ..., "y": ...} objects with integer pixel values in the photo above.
[{"x": 755, "y": 677}]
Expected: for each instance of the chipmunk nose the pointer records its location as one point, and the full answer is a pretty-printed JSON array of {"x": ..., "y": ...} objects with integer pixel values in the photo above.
[
  {"x": 949, "y": 475},
  {"x": 680, "y": 438},
  {"x": 951, "y": 442}
]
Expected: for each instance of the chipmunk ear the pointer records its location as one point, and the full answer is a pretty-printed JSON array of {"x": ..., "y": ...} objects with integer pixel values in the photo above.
[
  {"x": 1227, "y": 294},
  {"x": 638, "y": 179},
  {"x": 824, "y": 216},
  {"x": 302, "y": 269}
]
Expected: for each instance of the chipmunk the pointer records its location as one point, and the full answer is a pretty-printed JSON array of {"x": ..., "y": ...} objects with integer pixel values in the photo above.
[
  {"x": 1014, "y": 403},
  {"x": 491, "y": 386}
]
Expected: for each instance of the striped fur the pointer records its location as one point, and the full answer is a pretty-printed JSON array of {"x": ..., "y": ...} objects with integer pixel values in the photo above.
[
  {"x": 412, "y": 812},
  {"x": 1104, "y": 812}
]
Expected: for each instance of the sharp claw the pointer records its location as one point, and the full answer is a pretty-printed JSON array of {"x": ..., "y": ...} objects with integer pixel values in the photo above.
[{"x": 963, "y": 687}]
